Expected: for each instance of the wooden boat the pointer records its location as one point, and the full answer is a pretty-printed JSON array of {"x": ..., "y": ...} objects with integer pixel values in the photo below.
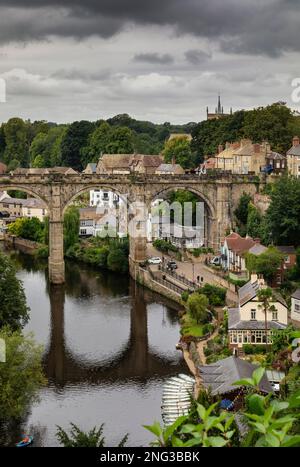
[{"x": 26, "y": 441}]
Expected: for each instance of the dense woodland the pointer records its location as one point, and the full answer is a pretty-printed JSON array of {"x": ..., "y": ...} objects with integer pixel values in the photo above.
[{"x": 45, "y": 144}]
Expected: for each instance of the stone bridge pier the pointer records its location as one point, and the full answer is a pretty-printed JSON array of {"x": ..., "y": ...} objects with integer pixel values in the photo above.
[{"x": 56, "y": 239}]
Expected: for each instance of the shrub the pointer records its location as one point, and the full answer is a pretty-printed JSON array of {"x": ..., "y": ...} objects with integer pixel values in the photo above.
[
  {"x": 185, "y": 295},
  {"x": 216, "y": 295},
  {"x": 197, "y": 305},
  {"x": 43, "y": 252}
]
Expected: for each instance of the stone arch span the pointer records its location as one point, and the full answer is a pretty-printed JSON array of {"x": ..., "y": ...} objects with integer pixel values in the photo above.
[{"x": 210, "y": 215}]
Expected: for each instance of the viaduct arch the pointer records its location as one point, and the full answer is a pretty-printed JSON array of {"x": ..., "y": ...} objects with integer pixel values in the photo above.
[{"x": 220, "y": 193}]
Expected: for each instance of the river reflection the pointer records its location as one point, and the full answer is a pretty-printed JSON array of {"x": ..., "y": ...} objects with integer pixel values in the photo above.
[{"x": 109, "y": 346}]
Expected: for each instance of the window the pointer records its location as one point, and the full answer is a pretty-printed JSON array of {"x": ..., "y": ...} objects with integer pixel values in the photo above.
[
  {"x": 297, "y": 307},
  {"x": 274, "y": 315},
  {"x": 253, "y": 314}
]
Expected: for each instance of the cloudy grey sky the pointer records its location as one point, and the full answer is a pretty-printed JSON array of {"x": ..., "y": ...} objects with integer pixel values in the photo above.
[{"x": 162, "y": 60}]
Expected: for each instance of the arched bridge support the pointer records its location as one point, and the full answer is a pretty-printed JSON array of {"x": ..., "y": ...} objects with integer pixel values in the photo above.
[{"x": 56, "y": 239}]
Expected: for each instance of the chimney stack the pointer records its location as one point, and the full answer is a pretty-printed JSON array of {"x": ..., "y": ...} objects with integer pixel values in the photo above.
[
  {"x": 296, "y": 141},
  {"x": 173, "y": 160},
  {"x": 220, "y": 148}
]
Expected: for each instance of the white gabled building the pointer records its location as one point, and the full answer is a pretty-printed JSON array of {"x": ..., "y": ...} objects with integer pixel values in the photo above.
[
  {"x": 295, "y": 306},
  {"x": 246, "y": 322}
]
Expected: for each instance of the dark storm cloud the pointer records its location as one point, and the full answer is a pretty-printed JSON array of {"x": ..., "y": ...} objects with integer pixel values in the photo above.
[
  {"x": 249, "y": 26},
  {"x": 196, "y": 57},
  {"x": 154, "y": 58}
]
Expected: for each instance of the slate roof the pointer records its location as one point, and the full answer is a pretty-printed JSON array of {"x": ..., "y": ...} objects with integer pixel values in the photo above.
[
  {"x": 234, "y": 322},
  {"x": 29, "y": 202},
  {"x": 275, "y": 156},
  {"x": 296, "y": 294},
  {"x": 287, "y": 249},
  {"x": 257, "y": 249},
  {"x": 92, "y": 166},
  {"x": 221, "y": 375},
  {"x": 294, "y": 151},
  {"x": 169, "y": 168},
  {"x": 249, "y": 291}
]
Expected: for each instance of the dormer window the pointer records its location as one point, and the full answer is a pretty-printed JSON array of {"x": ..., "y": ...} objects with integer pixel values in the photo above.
[{"x": 275, "y": 316}]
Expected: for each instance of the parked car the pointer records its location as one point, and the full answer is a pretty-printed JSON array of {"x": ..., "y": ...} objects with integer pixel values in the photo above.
[
  {"x": 216, "y": 261},
  {"x": 154, "y": 260},
  {"x": 171, "y": 265}
]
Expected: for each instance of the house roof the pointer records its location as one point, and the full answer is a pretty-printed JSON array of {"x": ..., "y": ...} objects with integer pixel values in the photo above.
[
  {"x": 235, "y": 322},
  {"x": 257, "y": 249},
  {"x": 275, "y": 156},
  {"x": 90, "y": 213},
  {"x": 43, "y": 171},
  {"x": 116, "y": 161},
  {"x": 296, "y": 294},
  {"x": 239, "y": 244},
  {"x": 249, "y": 291},
  {"x": 287, "y": 249},
  {"x": 92, "y": 166},
  {"x": 28, "y": 202},
  {"x": 169, "y": 168},
  {"x": 147, "y": 160},
  {"x": 294, "y": 151},
  {"x": 221, "y": 375}
]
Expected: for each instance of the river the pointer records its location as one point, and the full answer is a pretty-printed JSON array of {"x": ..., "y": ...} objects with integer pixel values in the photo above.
[{"x": 109, "y": 345}]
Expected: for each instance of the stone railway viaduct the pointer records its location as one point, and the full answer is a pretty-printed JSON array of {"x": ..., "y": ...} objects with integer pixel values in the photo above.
[{"x": 219, "y": 192}]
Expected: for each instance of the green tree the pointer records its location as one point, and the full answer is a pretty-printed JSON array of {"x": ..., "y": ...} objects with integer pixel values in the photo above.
[
  {"x": 266, "y": 264},
  {"x": 254, "y": 221},
  {"x": 13, "y": 309},
  {"x": 38, "y": 148},
  {"x": 79, "y": 439},
  {"x": 98, "y": 142},
  {"x": 73, "y": 143},
  {"x": 16, "y": 139},
  {"x": 38, "y": 162},
  {"x": 117, "y": 260},
  {"x": 30, "y": 229},
  {"x": 179, "y": 149},
  {"x": 71, "y": 227},
  {"x": 265, "y": 299},
  {"x": 241, "y": 213},
  {"x": 197, "y": 306},
  {"x": 121, "y": 141},
  {"x": 21, "y": 376},
  {"x": 283, "y": 215}
]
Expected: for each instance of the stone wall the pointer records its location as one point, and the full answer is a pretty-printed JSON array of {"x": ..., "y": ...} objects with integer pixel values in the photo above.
[{"x": 25, "y": 246}]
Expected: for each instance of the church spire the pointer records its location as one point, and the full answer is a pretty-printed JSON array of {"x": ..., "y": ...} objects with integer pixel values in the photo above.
[{"x": 219, "y": 105}]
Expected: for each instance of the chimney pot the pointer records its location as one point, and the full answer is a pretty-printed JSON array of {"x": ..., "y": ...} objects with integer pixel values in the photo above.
[{"x": 296, "y": 141}]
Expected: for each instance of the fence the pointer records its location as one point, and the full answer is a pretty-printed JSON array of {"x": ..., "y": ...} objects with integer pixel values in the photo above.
[{"x": 179, "y": 277}]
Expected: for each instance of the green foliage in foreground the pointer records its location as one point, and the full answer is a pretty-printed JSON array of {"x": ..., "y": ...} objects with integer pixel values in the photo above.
[
  {"x": 270, "y": 422},
  {"x": 21, "y": 376},
  {"x": 79, "y": 439}
]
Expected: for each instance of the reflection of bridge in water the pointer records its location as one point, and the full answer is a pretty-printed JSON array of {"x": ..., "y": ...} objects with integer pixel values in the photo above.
[{"x": 134, "y": 361}]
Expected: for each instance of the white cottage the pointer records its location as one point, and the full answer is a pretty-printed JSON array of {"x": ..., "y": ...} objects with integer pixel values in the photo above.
[
  {"x": 246, "y": 323},
  {"x": 295, "y": 306}
]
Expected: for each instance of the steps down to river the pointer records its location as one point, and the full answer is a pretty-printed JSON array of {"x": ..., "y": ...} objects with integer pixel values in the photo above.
[{"x": 178, "y": 393}]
